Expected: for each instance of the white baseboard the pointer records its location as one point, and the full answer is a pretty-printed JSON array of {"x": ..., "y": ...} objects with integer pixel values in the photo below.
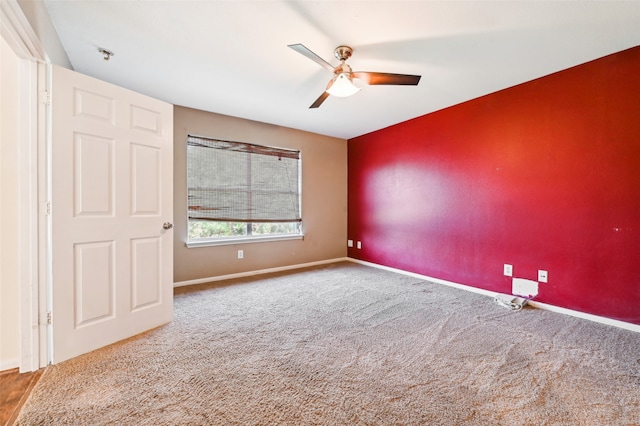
[
  {"x": 539, "y": 305},
  {"x": 9, "y": 364},
  {"x": 258, "y": 272},
  {"x": 583, "y": 315}
]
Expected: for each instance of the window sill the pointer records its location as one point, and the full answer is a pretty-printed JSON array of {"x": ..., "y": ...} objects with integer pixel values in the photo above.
[{"x": 230, "y": 241}]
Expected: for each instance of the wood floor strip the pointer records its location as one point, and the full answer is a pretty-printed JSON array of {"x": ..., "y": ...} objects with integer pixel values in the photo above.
[{"x": 15, "y": 388}]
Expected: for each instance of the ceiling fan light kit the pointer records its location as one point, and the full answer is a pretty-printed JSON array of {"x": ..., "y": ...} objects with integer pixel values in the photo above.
[{"x": 342, "y": 85}]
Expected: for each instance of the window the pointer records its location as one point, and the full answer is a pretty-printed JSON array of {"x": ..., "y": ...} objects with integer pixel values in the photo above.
[{"x": 238, "y": 190}]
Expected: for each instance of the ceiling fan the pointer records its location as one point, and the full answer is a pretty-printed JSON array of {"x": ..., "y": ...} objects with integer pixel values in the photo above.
[{"x": 341, "y": 84}]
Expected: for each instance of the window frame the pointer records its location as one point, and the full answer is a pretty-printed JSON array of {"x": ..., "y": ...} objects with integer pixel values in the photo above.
[
  {"x": 244, "y": 239},
  {"x": 208, "y": 242}
]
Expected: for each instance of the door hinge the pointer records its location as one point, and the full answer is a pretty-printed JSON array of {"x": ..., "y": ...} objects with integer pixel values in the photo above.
[
  {"x": 47, "y": 319},
  {"x": 47, "y": 208},
  {"x": 45, "y": 97}
]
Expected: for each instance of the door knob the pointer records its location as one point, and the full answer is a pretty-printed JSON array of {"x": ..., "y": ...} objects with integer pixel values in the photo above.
[{"x": 167, "y": 225}]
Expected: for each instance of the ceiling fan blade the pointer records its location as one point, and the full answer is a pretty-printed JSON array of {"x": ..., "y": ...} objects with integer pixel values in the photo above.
[
  {"x": 320, "y": 100},
  {"x": 386, "y": 78},
  {"x": 302, "y": 49}
]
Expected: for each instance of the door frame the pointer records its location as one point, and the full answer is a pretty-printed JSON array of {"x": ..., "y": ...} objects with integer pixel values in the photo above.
[{"x": 34, "y": 125}]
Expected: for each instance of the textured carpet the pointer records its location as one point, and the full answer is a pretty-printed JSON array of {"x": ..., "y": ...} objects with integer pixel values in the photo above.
[{"x": 346, "y": 344}]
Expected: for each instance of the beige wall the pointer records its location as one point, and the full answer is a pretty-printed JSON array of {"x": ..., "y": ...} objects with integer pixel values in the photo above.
[
  {"x": 9, "y": 242},
  {"x": 324, "y": 198}
]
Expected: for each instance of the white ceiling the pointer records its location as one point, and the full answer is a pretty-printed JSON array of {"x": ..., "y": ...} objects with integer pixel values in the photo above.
[{"x": 231, "y": 57}]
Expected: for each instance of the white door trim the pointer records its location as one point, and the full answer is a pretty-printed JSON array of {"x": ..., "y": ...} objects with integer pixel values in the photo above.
[
  {"x": 42, "y": 300},
  {"x": 28, "y": 217},
  {"x": 19, "y": 34}
]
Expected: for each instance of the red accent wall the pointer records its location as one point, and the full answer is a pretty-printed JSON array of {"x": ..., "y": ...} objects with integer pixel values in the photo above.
[{"x": 543, "y": 175}]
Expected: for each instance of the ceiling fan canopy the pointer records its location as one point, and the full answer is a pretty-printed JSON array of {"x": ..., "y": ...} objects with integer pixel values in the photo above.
[{"x": 342, "y": 84}]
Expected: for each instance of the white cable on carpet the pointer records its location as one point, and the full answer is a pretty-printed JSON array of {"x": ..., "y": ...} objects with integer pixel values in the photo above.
[{"x": 515, "y": 303}]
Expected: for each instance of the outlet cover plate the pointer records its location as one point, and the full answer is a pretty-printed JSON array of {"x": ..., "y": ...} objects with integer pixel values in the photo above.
[
  {"x": 508, "y": 270},
  {"x": 543, "y": 276}
]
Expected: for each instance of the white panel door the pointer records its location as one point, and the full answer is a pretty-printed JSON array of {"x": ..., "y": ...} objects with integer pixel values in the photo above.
[{"x": 112, "y": 193}]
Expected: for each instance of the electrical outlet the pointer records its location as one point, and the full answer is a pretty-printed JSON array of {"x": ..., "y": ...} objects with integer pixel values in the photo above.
[
  {"x": 542, "y": 276},
  {"x": 240, "y": 254},
  {"x": 349, "y": 243},
  {"x": 359, "y": 244},
  {"x": 508, "y": 270}
]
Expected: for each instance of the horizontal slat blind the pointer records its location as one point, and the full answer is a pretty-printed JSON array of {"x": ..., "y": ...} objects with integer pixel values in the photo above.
[{"x": 242, "y": 182}]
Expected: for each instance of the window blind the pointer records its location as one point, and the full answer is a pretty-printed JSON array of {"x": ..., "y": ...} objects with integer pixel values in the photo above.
[{"x": 242, "y": 182}]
